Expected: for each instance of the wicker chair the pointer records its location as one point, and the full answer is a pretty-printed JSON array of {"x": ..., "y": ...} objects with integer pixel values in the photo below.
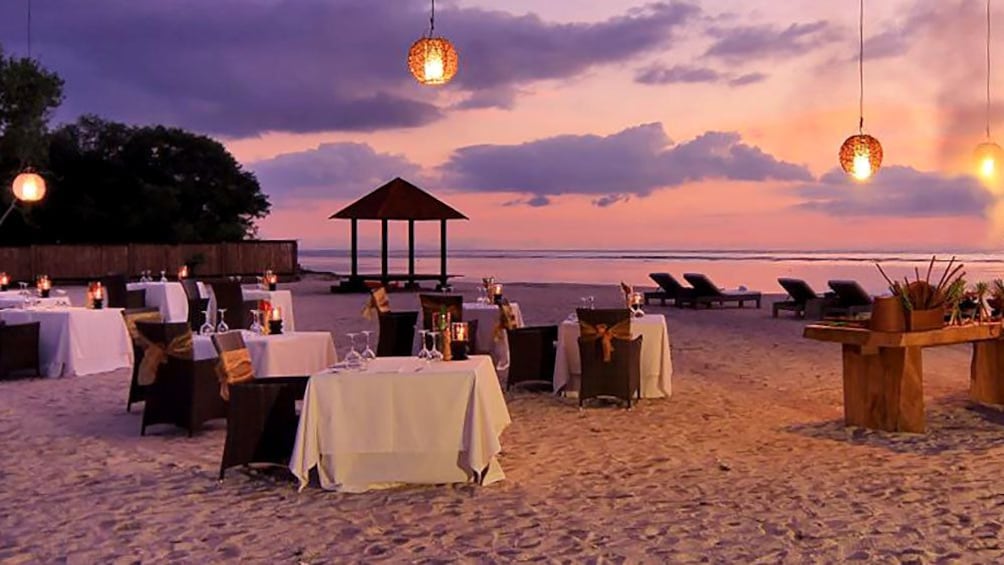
[
  {"x": 397, "y": 334},
  {"x": 186, "y": 392},
  {"x": 531, "y": 356},
  {"x": 230, "y": 296},
  {"x": 261, "y": 425},
  {"x": 137, "y": 392},
  {"x": 620, "y": 377},
  {"x": 118, "y": 295},
  {"x": 434, "y": 303},
  {"x": 196, "y": 304},
  {"x": 19, "y": 349}
]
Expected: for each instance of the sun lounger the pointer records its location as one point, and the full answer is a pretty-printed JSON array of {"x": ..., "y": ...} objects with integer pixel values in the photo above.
[
  {"x": 708, "y": 293},
  {"x": 851, "y": 298},
  {"x": 669, "y": 289},
  {"x": 804, "y": 301}
]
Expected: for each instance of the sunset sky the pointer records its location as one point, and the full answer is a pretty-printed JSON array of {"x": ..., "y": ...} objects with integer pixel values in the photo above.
[{"x": 571, "y": 123}]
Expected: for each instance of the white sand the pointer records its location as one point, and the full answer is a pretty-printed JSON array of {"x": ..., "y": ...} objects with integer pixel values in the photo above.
[{"x": 749, "y": 461}]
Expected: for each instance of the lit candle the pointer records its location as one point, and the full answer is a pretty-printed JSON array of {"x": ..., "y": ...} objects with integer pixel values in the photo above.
[
  {"x": 98, "y": 292},
  {"x": 636, "y": 298},
  {"x": 459, "y": 330},
  {"x": 276, "y": 314},
  {"x": 183, "y": 272},
  {"x": 497, "y": 289}
]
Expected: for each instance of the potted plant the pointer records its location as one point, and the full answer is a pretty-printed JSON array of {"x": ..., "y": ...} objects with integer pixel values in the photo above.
[{"x": 924, "y": 304}]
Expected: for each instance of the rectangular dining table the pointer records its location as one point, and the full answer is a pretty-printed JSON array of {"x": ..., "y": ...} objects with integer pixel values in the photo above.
[
  {"x": 402, "y": 420},
  {"x": 284, "y": 355},
  {"x": 487, "y": 316},
  {"x": 656, "y": 359}
]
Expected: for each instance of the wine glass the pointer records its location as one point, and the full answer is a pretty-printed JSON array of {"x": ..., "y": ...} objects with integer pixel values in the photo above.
[
  {"x": 592, "y": 302},
  {"x": 163, "y": 275},
  {"x": 222, "y": 327},
  {"x": 206, "y": 328},
  {"x": 482, "y": 295},
  {"x": 353, "y": 359},
  {"x": 435, "y": 354},
  {"x": 256, "y": 327},
  {"x": 423, "y": 336},
  {"x": 368, "y": 353}
]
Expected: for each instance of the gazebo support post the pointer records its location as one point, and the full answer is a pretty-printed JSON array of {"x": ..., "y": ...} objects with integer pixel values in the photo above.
[
  {"x": 383, "y": 252},
  {"x": 411, "y": 256},
  {"x": 444, "y": 283},
  {"x": 355, "y": 249}
]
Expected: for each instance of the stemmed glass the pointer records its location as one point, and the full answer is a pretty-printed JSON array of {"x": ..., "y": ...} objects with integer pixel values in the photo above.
[
  {"x": 435, "y": 354},
  {"x": 222, "y": 327},
  {"x": 353, "y": 359},
  {"x": 256, "y": 327},
  {"x": 423, "y": 336},
  {"x": 206, "y": 328},
  {"x": 368, "y": 353},
  {"x": 482, "y": 295},
  {"x": 163, "y": 276}
]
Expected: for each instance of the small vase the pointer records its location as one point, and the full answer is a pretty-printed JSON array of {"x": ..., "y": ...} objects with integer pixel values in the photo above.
[{"x": 888, "y": 315}]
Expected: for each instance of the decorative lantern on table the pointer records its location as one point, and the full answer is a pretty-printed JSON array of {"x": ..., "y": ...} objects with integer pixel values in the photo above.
[
  {"x": 460, "y": 336},
  {"x": 4, "y": 281},
  {"x": 635, "y": 300},
  {"x": 44, "y": 285},
  {"x": 183, "y": 273},
  {"x": 271, "y": 280},
  {"x": 275, "y": 321},
  {"x": 96, "y": 295},
  {"x": 496, "y": 293}
]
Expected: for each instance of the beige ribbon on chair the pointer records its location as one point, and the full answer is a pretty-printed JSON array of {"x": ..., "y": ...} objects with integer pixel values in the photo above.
[
  {"x": 628, "y": 291},
  {"x": 132, "y": 318},
  {"x": 606, "y": 335},
  {"x": 234, "y": 367},
  {"x": 156, "y": 354},
  {"x": 379, "y": 303},
  {"x": 507, "y": 320}
]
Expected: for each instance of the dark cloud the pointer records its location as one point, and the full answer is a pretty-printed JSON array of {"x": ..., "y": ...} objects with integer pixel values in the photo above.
[
  {"x": 748, "y": 43},
  {"x": 748, "y": 78},
  {"x": 332, "y": 170},
  {"x": 896, "y": 191},
  {"x": 610, "y": 200},
  {"x": 659, "y": 74},
  {"x": 242, "y": 67},
  {"x": 635, "y": 161}
]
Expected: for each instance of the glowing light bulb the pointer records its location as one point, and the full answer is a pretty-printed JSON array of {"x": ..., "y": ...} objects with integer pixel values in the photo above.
[
  {"x": 434, "y": 66},
  {"x": 29, "y": 187},
  {"x": 988, "y": 168},
  {"x": 862, "y": 167}
]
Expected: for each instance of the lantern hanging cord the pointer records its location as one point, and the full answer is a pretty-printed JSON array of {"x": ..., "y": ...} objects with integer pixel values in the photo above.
[
  {"x": 988, "y": 69},
  {"x": 432, "y": 20},
  {"x": 861, "y": 67}
]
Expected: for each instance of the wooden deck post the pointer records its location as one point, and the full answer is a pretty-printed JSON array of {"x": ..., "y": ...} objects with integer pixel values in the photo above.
[
  {"x": 383, "y": 252},
  {"x": 442, "y": 255},
  {"x": 411, "y": 253},
  {"x": 355, "y": 248}
]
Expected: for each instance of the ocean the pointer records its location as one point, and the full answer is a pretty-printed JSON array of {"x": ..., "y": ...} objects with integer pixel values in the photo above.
[{"x": 756, "y": 270}]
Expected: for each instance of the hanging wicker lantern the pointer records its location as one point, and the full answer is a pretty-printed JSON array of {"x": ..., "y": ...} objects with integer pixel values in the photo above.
[
  {"x": 432, "y": 60},
  {"x": 989, "y": 158},
  {"x": 861, "y": 156},
  {"x": 29, "y": 187}
]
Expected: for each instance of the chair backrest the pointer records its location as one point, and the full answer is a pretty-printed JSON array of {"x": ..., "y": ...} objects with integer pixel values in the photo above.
[
  {"x": 191, "y": 287},
  {"x": 397, "y": 334},
  {"x": 230, "y": 296},
  {"x": 797, "y": 289},
  {"x": 606, "y": 316},
  {"x": 196, "y": 307},
  {"x": 132, "y": 317},
  {"x": 667, "y": 282},
  {"x": 850, "y": 293},
  {"x": 229, "y": 341},
  {"x": 235, "y": 360},
  {"x": 434, "y": 303},
  {"x": 179, "y": 363},
  {"x": 532, "y": 354},
  {"x": 620, "y": 377},
  {"x": 702, "y": 284},
  {"x": 115, "y": 290}
]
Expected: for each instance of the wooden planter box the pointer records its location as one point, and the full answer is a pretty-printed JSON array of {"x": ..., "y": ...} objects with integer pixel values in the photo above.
[
  {"x": 887, "y": 315},
  {"x": 924, "y": 320}
]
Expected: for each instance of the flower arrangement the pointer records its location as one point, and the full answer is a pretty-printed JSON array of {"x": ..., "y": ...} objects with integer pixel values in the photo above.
[{"x": 925, "y": 304}]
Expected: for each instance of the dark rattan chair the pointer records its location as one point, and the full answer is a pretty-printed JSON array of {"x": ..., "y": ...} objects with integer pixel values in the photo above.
[
  {"x": 230, "y": 296},
  {"x": 621, "y": 376},
  {"x": 261, "y": 425},
  {"x": 19, "y": 349},
  {"x": 397, "y": 334},
  {"x": 531, "y": 356},
  {"x": 118, "y": 296},
  {"x": 196, "y": 304},
  {"x": 186, "y": 392},
  {"x": 137, "y": 392},
  {"x": 434, "y": 303}
]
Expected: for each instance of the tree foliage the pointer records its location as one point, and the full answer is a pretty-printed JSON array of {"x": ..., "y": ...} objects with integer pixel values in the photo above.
[{"x": 114, "y": 183}]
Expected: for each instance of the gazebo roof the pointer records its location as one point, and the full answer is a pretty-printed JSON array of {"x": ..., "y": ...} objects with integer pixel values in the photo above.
[{"x": 398, "y": 200}]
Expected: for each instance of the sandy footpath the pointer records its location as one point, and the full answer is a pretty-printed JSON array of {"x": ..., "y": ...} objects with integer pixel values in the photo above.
[{"x": 747, "y": 462}]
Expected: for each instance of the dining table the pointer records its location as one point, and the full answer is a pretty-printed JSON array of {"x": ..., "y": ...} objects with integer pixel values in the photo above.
[
  {"x": 167, "y": 296},
  {"x": 486, "y": 339},
  {"x": 656, "y": 358},
  {"x": 281, "y": 298},
  {"x": 30, "y": 298},
  {"x": 401, "y": 420},
  {"x": 279, "y": 355},
  {"x": 77, "y": 341}
]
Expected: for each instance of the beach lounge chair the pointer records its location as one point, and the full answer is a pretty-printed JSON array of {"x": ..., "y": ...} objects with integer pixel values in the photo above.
[
  {"x": 669, "y": 289},
  {"x": 620, "y": 376},
  {"x": 804, "y": 301},
  {"x": 850, "y": 298},
  {"x": 531, "y": 356},
  {"x": 708, "y": 293}
]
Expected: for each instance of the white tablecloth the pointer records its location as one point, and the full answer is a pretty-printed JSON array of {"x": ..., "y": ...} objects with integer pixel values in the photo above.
[
  {"x": 169, "y": 297},
  {"x": 392, "y": 424},
  {"x": 656, "y": 363},
  {"x": 77, "y": 341},
  {"x": 281, "y": 298},
  {"x": 487, "y": 316},
  {"x": 284, "y": 355},
  {"x": 13, "y": 299}
]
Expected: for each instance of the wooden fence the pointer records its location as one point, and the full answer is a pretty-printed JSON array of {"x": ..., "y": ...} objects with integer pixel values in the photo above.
[{"x": 87, "y": 262}]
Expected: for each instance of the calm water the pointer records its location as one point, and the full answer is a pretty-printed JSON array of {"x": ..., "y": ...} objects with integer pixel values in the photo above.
[{"x": 754, "y": 269}]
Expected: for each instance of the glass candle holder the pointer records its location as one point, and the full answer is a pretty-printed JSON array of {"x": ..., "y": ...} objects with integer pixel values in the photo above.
[
  {"x": 459, "y": 339},
  {"x": 275, "y": 321},
  {"x": 4, "y": 281},
  {"x": 497, "y": 293}
]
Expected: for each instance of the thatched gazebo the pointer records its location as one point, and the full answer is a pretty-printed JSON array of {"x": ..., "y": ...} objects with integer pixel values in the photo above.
[{"x": 398, "y": 200}]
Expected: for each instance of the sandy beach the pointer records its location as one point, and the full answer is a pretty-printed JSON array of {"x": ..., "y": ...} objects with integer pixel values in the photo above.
[{"x": 749, "y": 461}]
